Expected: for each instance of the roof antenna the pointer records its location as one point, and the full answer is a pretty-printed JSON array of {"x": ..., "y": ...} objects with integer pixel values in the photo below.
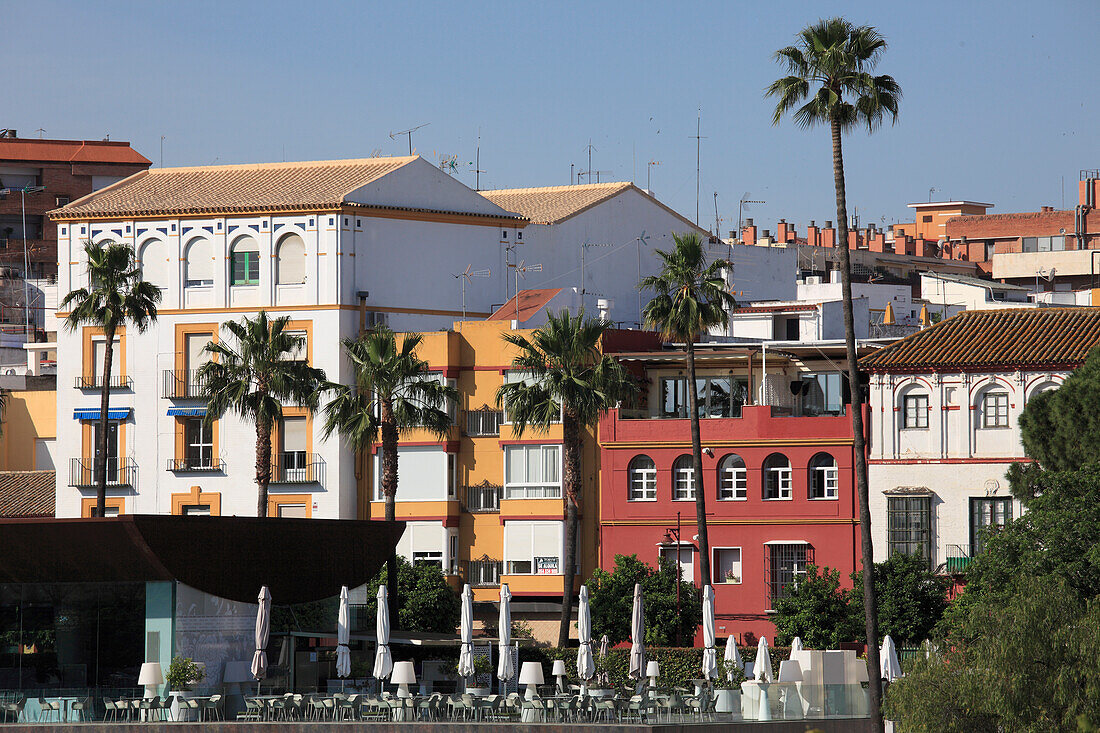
[
  {"x": 409, "y": 134},
  {"x": 477, "y": 163},
  {"x": 41, "y": 131},
  {"x": 698, "y": 139},
  {"x": 467, "y": 277}
]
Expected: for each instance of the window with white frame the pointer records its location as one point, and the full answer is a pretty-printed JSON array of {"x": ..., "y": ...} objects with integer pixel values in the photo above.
[
  {"x": 642, "y": 479},
  {"x": 532, "y": 472},
  {"x": 423, "y": 543},
  {"x": 777, "y": 477},
  {"x": 915, "y": 411},
  {"x": 532, "y": 548},
  {"x": 995, "y": 409},
  {"x": 727, "y": 565},
  {"x": 301, "y": 351},
  {"x": 684, "y": 554},
  {"x": 452, "y": 548},
  {"x": 824, "y": 477},
  {"x": 683, "y": 479},
  {"x": 733, "y": 479},
  {"x": 513, "y": 376},
  {"x": 452, "y": 475}
]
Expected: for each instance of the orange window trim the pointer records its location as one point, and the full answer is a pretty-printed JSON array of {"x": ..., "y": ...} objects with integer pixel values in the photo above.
[
  {"x": 306, "y": 326},
  {"x": 197, "y": 497},
  {"x": 88, "y": 505},
  {"x": 277, "y": 429},
  {"x": 118, "y": 361},
  {"x": 181, "y": 438},
  {"x": 183, "y": 330},
  {"x": 275, "y": 500},
  {"x": 87, "y": 437}
]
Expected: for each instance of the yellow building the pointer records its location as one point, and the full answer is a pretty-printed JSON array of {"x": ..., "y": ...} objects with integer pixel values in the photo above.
[
  {"x": 485, "y": 503},
  {"x": 29, "y": 424}
]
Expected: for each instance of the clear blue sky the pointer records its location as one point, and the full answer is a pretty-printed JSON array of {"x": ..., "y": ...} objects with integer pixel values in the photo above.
[{"x": 998, "y": 104}]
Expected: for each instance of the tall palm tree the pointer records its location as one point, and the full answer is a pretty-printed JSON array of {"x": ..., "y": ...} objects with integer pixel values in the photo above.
[
  {"x": 393, "y": 392},
  {"x": 570, "y": 380},
  {"x": 116, "y": 295},
  {"x": 253, "y": 375},
  {"x": 690, "y": 297},
  {"x": 833, "y": 60}
]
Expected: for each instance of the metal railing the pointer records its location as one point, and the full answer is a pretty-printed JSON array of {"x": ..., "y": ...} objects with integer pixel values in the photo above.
[
  {"x": 120, "y": 472},
  {"x": 195, "y": 465},
  {"x": 958, "y": 557},
  {"x": 95, "y": 381},
  {"x": 297, "y": 467},
  {"x": 483, "y": 422},
  {"x": 482, "y": 573},
  {"x": 481, "y": 498},
  {"x": 182, "y": 384}
]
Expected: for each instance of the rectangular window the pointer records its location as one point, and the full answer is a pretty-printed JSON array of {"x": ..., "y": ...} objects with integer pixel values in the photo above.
[
  {"x": 824, "y": 393},
  {"x": 245, "y": 268},
  {"x": 1057, "y": 244},
  {"x": 196, "y": 349},
  {"x": 778, "y": 483},
  {"x": 1031, "y": 244},
  {"x": 532, "y": 472},
  {"x": 824, "y": 482},
  {"x": 513, "y": 376},
  {"x": 301, "y": 353},
  {"x": 643, "y": 483},
  {"x": 452, "y": 475},
  {"x": 717, "y": 396},
  {"x": 532, "y": 548},
  {"x": 995, "y": 410},
  {"x": 294, "y": 510},
  {"x": 686, "y": 556},
  {"x": 785, "y": 565},
  {"x": 196, "y": 510},
  {"x": 683, "y": 483},
  {"x": 734, "y": 483},
  {"x": 916, "y": 411},
  {"x": 909, "y": 525},
  {"x": 987, "y": 512},
  {"x": 452, "y": 546},
  {"x": 727, "y": 565},
  {"x": 292, "y": 449},
  {"x": 199, "y": 443},
  {"x": 428, "y": 558}
]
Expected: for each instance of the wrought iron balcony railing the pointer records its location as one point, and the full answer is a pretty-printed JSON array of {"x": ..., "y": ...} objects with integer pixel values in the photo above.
[
  {"x": 483, "y": 573},
  {"x": 483, "y": 422},
  {"x": 120, "y": 472},
  {"x": 182, "y": 384},
  {"x": 95, "y": 381},
  {"x": 195, "y": 465},
  {"x": 297, "y": 467},
  {"x": 483, "y": 498},
  {"x": 958, "y": 557}
]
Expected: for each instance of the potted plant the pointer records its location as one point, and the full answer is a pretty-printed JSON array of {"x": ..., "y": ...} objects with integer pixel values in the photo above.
[
  {"x": 731, "y": 578},
  {"x": 728, "y": 684},
  {"x": 600, "y": 685},
  {"x": 483, "y": 667},
  {"x": 183, "y": 673}
]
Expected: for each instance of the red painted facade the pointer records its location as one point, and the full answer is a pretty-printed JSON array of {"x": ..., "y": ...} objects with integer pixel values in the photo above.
[{"x": 828, "y": 526}]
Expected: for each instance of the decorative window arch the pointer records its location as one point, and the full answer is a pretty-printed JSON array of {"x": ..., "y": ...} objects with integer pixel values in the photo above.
[
  {"x": 642, "y": 479},
  {"x": 733, "y": 480},
  {"x": 913, "y": 404},
  {"x": 992, "y": 402},
  {"x": 824, "y": 477},
  {"x": 1046, "y": 385},
  {"x": 244, "y": 262},
  {"x": 778, "y": 483},
  {"x": 199, "y": 263},
  {"x": 290, "y": 255},
  {"x": 683, "y": 479},
  {"x": 153, "y": 262}
]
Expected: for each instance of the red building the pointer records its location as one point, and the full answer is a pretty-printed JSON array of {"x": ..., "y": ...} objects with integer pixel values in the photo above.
[{"x": 777, "y": 472}]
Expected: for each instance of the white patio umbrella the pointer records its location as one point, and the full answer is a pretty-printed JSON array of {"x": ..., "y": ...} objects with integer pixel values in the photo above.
[
  {"x": 637, "y": 635},
  {"x": 888, "y": 660},
  {"x": 466, "y": 630},
  {"x": 733, "y": 654},
  {"x": 763, "y": 664},
  {"x": 505, "y": 669},
  {"x": 796, "y": 644},
  {"x": 586, "y": 666},
  {"x": 710, "y": 654},
  {"x": 383, "y": 662},
  {"x": 343, "y": 634},
  {"x": 263, "y": 631},
  {"x": 605, "y": 646}
]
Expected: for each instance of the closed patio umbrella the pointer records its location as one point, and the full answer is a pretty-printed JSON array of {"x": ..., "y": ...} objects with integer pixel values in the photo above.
[
  {"x": 586, "y": 666},
  {"x": 710, "y": 654},
  {"x": 733, "y": 654},
  {"x": 343, "y": 634},
  {"x": 466, "y": 630},
  {"x": 796, "y": 644},
  {"x": 763, "y": 664},
  {"x": 383, "y": 662},
  {"x": 505, "y": 669},
  {"x": 605, "y": 647},
  {"x": 637, "y": 635},
  {"x": 889, "y": 664},
  {"x": 263, "y": 630}
]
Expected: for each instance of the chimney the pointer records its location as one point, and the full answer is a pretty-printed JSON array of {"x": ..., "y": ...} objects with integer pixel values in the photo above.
[
  {"x": 749, "y": 232},
  {"x": 9, "y": 133},
  {"x": 828, "y": 235},
  {"x": 811, "y": 235},
  {"x": 733, "y": 234},
  {"x": 781, "y": 230},
  {"x": 1046, "y": 208}
]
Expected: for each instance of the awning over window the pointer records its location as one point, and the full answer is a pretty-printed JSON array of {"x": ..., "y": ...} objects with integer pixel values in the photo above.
[
  {"x": 116, "y": 413},
  {"x": 186, "y": 412}
]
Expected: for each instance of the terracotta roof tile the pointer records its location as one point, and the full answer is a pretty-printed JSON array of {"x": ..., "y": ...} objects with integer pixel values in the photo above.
[
  {"x": 70, "y": 151},
  {"x": 530, "y": 303},
  {"x": 551, "y": 204},
  {"x": 27, "y": 493},
  {"x": 1033, "y": 338},
  {"x": 227, "y": 188}
]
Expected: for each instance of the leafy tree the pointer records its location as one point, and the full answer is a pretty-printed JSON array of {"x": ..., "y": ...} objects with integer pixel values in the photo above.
[
  {"x": 815, "y": 609},
  {"x": 116, "y": 295},
  {"x": 423, "y": 600},
  {"x": 394, "y": 392},
  {"x": 1061, "y": 428},
  {"x": 690, "y": 297},
  {"x": 611, "y": 599},
  {"x": 253, "y": 376},
  {"x": 829, "y": 82},
  {"x": 911, "y": 599},
  {"x": 570, "y": 378}
]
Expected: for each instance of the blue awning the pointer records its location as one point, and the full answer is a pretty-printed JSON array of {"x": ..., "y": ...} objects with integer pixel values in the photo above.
[
  {"x": 115, "y": 413},
  {"x": 186, "y": 412}
]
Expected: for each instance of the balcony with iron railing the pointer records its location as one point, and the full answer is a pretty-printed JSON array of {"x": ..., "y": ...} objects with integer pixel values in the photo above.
[
  {"x": 481, "y": 499},
  {"x": 761, "y": 422},
  {"x": 483, "y": 422},
  {"x": 95, "y": 381},
  {"x": 297, "y": 467},
  {"x": 957, "y": 559},
  {"x": 120, "y": 472},
  {"x": 196, "y": 465},
  {"x": 182, "y": 384},
  {"x": 483, "y": 573}
]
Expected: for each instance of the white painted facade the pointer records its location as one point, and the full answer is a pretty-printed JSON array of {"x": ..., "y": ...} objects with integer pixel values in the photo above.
[{"x": 970, "y": 294}]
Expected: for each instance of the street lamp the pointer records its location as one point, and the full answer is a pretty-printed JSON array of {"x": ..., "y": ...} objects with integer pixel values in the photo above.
[
  {"x": 26, "y": 258},
  {"x": 672, "y": 537}
]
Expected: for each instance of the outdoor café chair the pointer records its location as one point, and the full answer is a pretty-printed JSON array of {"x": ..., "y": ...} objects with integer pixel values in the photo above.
[
  {"x": 211, "y": 708},
  {"x": 14, "y": 709},
  {"x": 253, "y": 709},
  {"x": 47, "y": 708}
]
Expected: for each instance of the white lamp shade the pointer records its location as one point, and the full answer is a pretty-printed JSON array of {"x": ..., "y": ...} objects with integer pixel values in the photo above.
[
  {"x": 559, "y": 668},
  {"x": 237, "y": 672},
  {"x": 652, "y": 669},
  {"x": 531, "y": 674},
  {"x": 150, "y": 674},
  {"x": 790, "y": 671},
  {"x": 403, "y": 674}
]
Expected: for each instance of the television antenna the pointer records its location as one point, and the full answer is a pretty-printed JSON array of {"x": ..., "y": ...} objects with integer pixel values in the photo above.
[
  {"x": 648, "y": 169},
  {"x": 641, "y": 239},
  {"x": 521, "y": 271},
  {"x": 740, "y": 206},
  {"x": 408, "y": 133},
  {"x": 591, "y": 149},
  {"x": 698, "y": 148},
  {"x": 467, "y": 277}
]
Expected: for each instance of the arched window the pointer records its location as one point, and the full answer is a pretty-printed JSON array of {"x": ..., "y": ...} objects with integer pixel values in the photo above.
[
  {"x": 642, "y": 479},
  {"x": 733, "y": 480},
  {"x": 153, "y": 262},
  {"x": 244, "y": 260},
  {"x": 291, "y": 256},
  {"x": 1045, "y": 386},
  {"x": 914, "y": 410},
  {"x": 777, "y": 477},
  {"x": 200, "y": 263},
  {"x": 993, "y": 404},
  {"x": 683, "y": 479},
  {"x": 824, "y": 477}
]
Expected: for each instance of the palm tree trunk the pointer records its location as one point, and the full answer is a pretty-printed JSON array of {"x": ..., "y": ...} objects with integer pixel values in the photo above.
[
  {"x": 697, "y": 465},
  {"x": 571, "y": 481},
  {"x": 389, "y": 490},
  {"x": 870, "y": 604},
  {"x": 263, "y": 466},
  {"x": 100, "y": 465}
]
